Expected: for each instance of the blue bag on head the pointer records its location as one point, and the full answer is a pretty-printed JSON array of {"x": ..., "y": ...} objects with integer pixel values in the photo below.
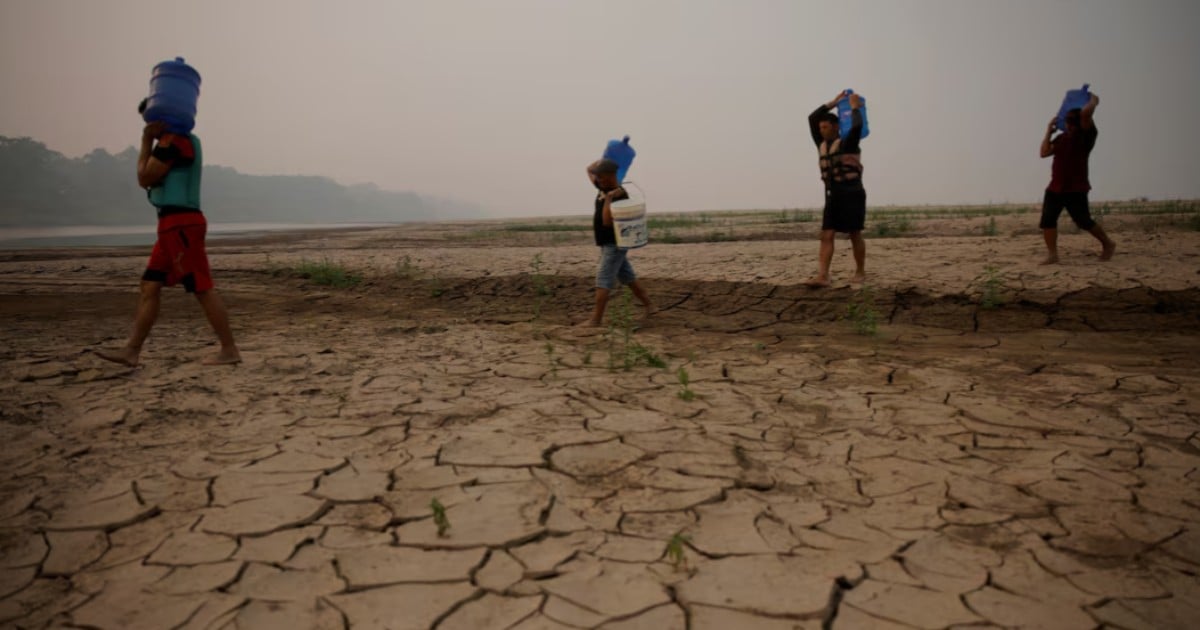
[
  {"x": 1075, "y": 99},
  {"x": 174, "y": 90},
  {"x": 845, "y": 122},
  {"x": 620, "y": 152}
]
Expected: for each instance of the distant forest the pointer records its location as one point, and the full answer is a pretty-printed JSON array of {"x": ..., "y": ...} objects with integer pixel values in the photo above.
[{"x": 40, "y": 187}]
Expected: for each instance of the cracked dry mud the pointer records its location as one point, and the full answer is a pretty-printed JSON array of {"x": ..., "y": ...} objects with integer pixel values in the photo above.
[{"x": 1037, "y": 465}]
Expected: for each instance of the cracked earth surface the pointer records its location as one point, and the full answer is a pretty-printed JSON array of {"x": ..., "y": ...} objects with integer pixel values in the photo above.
[{"x": 1035, "y": 465}]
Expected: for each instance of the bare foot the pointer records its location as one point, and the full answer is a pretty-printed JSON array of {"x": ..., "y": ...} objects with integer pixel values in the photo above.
[
  {"x": 1107, "y": 252},
  {"x": 817, "y": 282},
  {"x": 649, "y": 311},
  {"x": 588, "y": 323},
  {"x": 223, "y": 358},
  {"x": 858, "y": 278},
  {"x": 1050, "y": 260},
  {"x": 124, "y": 356}
]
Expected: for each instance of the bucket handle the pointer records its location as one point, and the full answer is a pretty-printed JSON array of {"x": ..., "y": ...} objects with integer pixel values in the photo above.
[{"x": 630, "y": 182}]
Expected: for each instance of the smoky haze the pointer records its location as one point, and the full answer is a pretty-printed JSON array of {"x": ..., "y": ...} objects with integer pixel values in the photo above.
[{"x": 503, "y": 104}]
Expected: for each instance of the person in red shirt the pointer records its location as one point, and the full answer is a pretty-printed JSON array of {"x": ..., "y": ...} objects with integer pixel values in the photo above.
[
  {"x": 1069, "y": 183},
  {"x": 168, "y": 168}
]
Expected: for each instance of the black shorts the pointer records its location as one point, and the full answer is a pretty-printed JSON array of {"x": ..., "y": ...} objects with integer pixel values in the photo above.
[
  {"x": 845, "y": 210},
  {"x": 1076, "y": 204}
]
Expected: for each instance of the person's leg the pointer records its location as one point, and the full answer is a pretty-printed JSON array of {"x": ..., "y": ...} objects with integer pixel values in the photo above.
[
  {"x": 1050, "y": 235},
  {"x": 825, "y": 254},
  {"x": 824, "y": 259},
  {"x": 606, "y": 278},
  {"x": 218, "y": 318},
  {"x": 598, "y": 310},
  {"x": 628, "y": 278},
  {"x": 149, "y": 299},
  {"x": 1051, "y": 208},
  {"x": 860, "y": 256},
  {"x": 1107, "y": 246},
  {"x": 1077, "y": 207}
]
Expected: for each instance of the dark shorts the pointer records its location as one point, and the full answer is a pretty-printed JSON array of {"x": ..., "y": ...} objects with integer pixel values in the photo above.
[
  {"x": 845, "y": 211},
  {"x": 1076, "y": 204},
  {"x": 178, "y": 256}
]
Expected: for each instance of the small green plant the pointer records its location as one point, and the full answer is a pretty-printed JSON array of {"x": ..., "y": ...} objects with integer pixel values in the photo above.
[
  {"x": 327, "y": 273},
  {"x": 623, "y": 351},
  {"x": 435, "y": 286},
  {"x": 541, "y": 289},
  {"x": 862, "y": 314},
  {"x": 760, "y": 346},
  {"x": 684, "y": 392},
  {"x": 439, "y": 517},
  {"x": 407, "y": 269},
  {"x": 891, "y": 229},
  {"x": 551, "y": 360},
  {"x": 989, "y": 229},
  {"x": 991, "y": 285},
  {"x": 675, "y": 549},
  {"x": 546, "y": 227},
  {"x": 539, "y": 280},
  {"x": 667, "y": 236}
]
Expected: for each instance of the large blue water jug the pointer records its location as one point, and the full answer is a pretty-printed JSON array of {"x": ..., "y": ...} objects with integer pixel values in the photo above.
[
  {"x": 620, "y": 152},
  {"x": 1075, "y": 99},
  {"x": 844, "y": 119},
  {"x": 174, "y": 90}
]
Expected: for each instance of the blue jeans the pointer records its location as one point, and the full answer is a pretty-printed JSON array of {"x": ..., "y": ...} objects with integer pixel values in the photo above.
[{"x": 614, "y": 266}]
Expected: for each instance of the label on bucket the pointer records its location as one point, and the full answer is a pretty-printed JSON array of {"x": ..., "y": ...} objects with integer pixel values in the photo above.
[{"x": 629, "y": 224}]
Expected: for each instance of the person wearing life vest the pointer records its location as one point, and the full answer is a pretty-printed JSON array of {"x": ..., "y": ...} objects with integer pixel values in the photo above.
[
  {"x": 845, "y": 198},
  {"x": 169, "y": 168},
  {"x": 1069, "y": 184}
]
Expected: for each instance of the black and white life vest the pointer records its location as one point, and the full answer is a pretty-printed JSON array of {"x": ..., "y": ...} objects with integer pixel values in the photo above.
[{"x": 838, "y": 167}]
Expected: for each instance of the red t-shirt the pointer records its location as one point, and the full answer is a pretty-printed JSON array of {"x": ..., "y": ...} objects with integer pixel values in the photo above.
[{"x": 1069, "y": 171}]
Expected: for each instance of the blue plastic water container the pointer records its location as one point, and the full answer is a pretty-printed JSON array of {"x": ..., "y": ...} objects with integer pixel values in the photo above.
[
  {"x": 174, "y": 90},
  {"x": 620, "y": 152},
  {"x": 1075, "y": 99},
  {"x": 845, "y": 122}
]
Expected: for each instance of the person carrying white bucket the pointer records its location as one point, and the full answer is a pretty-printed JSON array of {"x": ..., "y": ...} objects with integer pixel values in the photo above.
[{"x": 614, "y": 265}]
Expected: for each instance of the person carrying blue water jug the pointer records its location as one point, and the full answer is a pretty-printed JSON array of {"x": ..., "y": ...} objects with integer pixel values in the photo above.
[
  {"x": 169, "y": 168},
  {"x": 841, "y": 171},
  {"x": 614, "y": 265},
  {"x": 1069, "y": 183}
]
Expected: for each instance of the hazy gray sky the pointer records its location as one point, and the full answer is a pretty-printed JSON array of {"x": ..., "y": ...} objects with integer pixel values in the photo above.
[{"x": 503, "y": 103}]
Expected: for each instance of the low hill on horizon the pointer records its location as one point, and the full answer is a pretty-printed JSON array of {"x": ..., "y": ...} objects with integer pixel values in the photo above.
[{"x": 41, "y": 187}]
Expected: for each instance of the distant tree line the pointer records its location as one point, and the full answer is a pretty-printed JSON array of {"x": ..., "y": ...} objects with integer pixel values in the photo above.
[{"x": 40, "y": 187}]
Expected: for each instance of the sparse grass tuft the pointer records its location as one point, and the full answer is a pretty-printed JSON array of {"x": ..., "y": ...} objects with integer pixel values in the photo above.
[
  {"x": 675, "y": 547},
  {"x": 892, "y": 228},
  {"x": 327, "y": 273},
  {"x": 547, "y": 227},
  {"x": 685, "y": 392},
  {"x": 862, "y": 313},
  {"x": 439, "y": 517},
  {"x": 991, "y": 285}
]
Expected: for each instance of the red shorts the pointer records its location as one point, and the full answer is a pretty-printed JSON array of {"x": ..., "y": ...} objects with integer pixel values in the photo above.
[{"x": 178, "y": 256}]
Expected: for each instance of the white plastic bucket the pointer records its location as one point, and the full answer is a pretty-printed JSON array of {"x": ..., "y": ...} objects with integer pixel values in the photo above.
[{"x": 629, "y": 219}]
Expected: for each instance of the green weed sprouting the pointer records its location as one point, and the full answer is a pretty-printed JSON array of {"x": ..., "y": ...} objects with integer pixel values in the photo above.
[
  {"x": 439, "y": 517},
  {"x": 989, "y": 229},
  {"x": 327, "y": 273},
  {"x": 862, "y": 314},
  {"x": 551, "y": 360},
  {"x": 685, "y": 392},
  {"x": 675, "y": 547},
  {"x": 991, "y": 286},
  {"x": 623, "y": 351}
]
